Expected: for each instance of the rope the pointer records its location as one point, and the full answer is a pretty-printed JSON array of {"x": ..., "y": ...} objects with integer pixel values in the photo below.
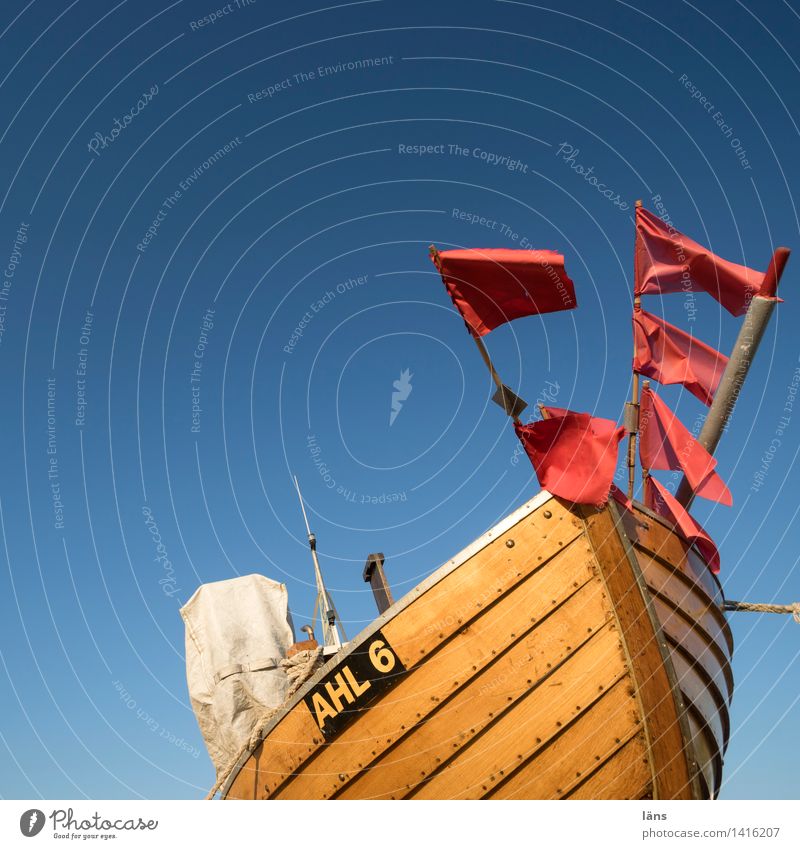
[
  {"x": 794, "y": 609},
  {"x": 299, "y": 669}
]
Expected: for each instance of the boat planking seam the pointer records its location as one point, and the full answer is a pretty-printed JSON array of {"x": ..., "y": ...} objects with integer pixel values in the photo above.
[
  {"x": 616, "y": 755},
  {"x": 496, "y": 718},
  {"x": 669, "y": 668},
  {"x": 528, "y": 580},
  {"x": 442, "y": 703},
  {"x": 709, "y": 681},
  {"x": 662, "y": 750},
  {"x": 484, "y": 665},
  {"x": 707, "y": 651},
  {"x": 689, "y": 694},
  {"x": 658, "y": 586},
  {"x": 628, "y": 659},
  {"x": 691, "y": 622},
  {"x": 653, "y": 612},
  {"x": 667, "y": 526},
  {"x": 428, "y": 583},
  {"x": 538, "y": 749}
]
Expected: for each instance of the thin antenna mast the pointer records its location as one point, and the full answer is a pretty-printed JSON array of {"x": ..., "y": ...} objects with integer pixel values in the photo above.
[{"x": 327, "y": 609}]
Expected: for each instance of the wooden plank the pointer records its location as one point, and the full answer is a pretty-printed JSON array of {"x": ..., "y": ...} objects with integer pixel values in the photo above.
[
  {"x": 626, "y": 775},
  {"x": 665, "y": 727},
  {"x": 698, "y": 644},
  {"x": 536, "y": 539},
  {"x": 708, "y": 628},
  {"x": 546, "y": 770},
  {"x": 690, "y": 598},
  {"x": 709, "y": 758},
  {"x": 703, "y": 699},
  {"x": 658, "y": 541},
  {"x": 536, "y": 713},
  {"x": 712, "y": 676},
  {"x": 450, "y": 604},
  {"x": 458, "y": 661},
  {"x": 441, "y": 739},
  {"x": 287, "y": 747}
]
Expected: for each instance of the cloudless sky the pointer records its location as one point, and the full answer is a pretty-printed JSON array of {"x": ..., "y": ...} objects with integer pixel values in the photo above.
[{"x": 275, "y": 218}]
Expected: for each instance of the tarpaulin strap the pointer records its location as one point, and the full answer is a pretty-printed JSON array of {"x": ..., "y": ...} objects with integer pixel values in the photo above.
[{"x": 255, "y": 666}]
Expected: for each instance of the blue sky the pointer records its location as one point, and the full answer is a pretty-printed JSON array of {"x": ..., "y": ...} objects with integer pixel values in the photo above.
[{"x": 263, "y": 200}]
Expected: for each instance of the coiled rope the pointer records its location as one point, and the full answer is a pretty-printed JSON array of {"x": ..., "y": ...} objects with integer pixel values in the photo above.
[
  {"x": 299, "y": 669},
  {"x": 794, "y": 609}
]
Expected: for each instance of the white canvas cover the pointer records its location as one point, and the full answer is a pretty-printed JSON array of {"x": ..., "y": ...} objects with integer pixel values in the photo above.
[{"x": 237, "y": 632}]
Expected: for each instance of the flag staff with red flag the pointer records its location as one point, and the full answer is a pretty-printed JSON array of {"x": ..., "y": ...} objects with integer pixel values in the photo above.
[
  {"x": 750, "y": 334},
  {"x": 632, "y": 409},
  {"x": 505, "y": 397},
  {"x": 645, "y": 470}
]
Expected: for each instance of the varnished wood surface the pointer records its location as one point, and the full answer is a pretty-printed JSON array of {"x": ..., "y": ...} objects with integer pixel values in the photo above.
[
  {"x": 537, "y": 667},
  {"x": 687, "y": 601}
]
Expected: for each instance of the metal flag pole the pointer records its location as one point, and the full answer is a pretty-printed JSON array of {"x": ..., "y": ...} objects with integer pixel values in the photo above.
[
  {"x": 752, "y": 331},
  {"x": 511, "y": 403},
  {"x": 632, "y": 408},
  {"x": 328, "y": 614}
]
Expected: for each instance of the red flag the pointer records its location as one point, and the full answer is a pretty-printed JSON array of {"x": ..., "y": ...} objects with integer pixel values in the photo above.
[
  {"x": 619, "y": 496},
  {"x": 667, "y": 354},
  {"x": 492, "y": 286},
  {"x": 659, "y": 499},
  {"x": 574, "y": 455},
  {"x": 664, "y": 443},
  {"x": 666, "y": 261}
]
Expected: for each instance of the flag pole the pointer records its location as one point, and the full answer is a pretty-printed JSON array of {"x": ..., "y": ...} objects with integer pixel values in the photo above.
[
  {"x": 501, "y": 388},
  {"x": 645, "y": 471},
  {"x": 750, "y": 334},
  {"x": 632, "y": 416}
]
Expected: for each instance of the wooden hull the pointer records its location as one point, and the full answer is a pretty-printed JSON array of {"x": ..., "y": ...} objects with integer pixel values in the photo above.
[{"x": 568, "y": 653}]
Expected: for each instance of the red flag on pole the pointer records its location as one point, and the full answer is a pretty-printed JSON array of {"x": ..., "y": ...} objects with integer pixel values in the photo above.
[
  {"x": 574, "y": 454},
  {"x": 659, "y": 499},
  {"x": 494, "y": 285},
  {"x": 668, "y": 261},
  {"x": 667, "y": 354},
  {"x": 664, "y": 443}
]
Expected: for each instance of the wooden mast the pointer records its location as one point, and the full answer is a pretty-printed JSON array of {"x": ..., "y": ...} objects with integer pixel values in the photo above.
[
  {"x": 645, "y": 471},
  {"x": 632, "y": 419},
  {"x": 750, "y": 335}
]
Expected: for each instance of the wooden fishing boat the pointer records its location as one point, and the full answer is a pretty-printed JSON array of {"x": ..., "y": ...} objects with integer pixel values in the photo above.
[{"x": 569, "y": 652}]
